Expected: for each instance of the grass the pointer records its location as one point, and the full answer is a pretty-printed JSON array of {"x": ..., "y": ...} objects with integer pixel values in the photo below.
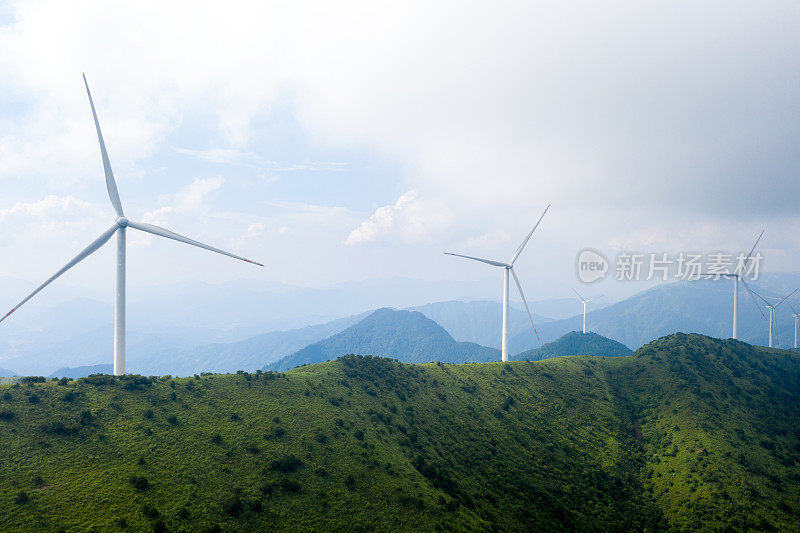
[{"x": 689, "y": 432}]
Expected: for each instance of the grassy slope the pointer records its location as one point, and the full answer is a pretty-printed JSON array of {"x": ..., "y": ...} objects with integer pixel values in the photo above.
[{"x": 688, "y": 431}]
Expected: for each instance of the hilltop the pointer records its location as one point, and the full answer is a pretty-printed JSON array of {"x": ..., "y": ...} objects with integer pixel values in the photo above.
[
  {"x": 576, "y": 343},
  {"x": 408, "y": 336},
  {"x": 688, "y": 432}
]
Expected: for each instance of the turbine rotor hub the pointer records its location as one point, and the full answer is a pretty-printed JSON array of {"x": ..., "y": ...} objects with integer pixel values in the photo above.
[{"x": 122, "y": 222}]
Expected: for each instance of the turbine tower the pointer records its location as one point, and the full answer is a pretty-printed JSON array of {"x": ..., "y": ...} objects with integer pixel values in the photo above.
[
  {"x": 120, "y": 226},
  {"x": 508, "y": 268},
  {"x": 584, "y": 301},
  {"x": 736, "y": 277}
]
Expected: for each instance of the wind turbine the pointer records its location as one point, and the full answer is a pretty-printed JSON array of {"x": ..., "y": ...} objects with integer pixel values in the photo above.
[
  {"x": 584, "y": 301},
  {"x": 796, "y": 316},
  {"x": 736, "y": 277},
  {"x": 508, "y": 268},
  {"x": 772, "y": 308},
  {"x": 119, "y": 227}
]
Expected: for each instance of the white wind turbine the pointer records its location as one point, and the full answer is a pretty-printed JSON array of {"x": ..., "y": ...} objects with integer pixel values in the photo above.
[
  {"x": 772, "y": 308},
  {"x": 584, "y": 302},
  {"x": 119, "y": 227},
  {"x": 796, "y": 317},
  {"x": 737, "y": 276},
  {"x": 508, "y": 268}
]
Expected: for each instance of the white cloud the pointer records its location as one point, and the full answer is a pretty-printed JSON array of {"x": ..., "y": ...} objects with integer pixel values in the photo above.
[
  {"x": 410, "y": 220},
  {"x": 186, "y": 201},
  {"x": 634, "y": 120},
  {"x": 49, "y": 209}
]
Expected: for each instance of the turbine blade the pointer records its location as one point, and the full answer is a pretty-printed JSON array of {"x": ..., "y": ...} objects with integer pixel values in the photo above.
[
  {"x": 579, "y": 296},
  {"x": 487, "y": 261},
  {"x": 753, "y": 298},
  {"x": 86, "y": 252},
  {"x": 161, "y": 232},
  {"x": 784, "y": 299},
  {"x": 753, "y": 249},
  {"x": 519, "y": 288},
  {"x": 111, "y": 185},
  {"x": 521, "y": 246}
]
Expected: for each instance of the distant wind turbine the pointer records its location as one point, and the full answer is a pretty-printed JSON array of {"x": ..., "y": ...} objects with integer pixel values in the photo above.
[
  {"x": 736, "y": 277},
  {"x": 119, "y": 227},
  {"x": 796, "y": 316},
  {"x": 772, "y": 308},
  {"x": 508, "y": 268},
  {"x": 585, "y": 301}
]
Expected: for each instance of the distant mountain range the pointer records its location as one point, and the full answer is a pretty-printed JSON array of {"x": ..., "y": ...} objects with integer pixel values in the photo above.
[
  {"x": 576, "y": 343},
  {"x": 476, "y": 321},
  {"x": 6, "y": 373},
  {"x": 696, "y": 307},
  {"x": 407, "y": 336},
  {"x": 82, "y": 371},
  {"x": 40, "y": 340},
  {"x": 248, "y": 354}
]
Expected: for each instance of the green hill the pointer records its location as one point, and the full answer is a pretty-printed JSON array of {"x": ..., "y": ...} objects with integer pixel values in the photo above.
[
  {"x": 576, "y": 343},
  {"x": 690, "y": 432},
  {"x": 407, "y": 336}
]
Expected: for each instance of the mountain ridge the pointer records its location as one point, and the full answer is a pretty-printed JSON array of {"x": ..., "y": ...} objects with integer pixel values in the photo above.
[{"x": 690, "y": 432}]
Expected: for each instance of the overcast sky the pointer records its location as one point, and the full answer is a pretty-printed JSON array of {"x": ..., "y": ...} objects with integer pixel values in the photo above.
[{"x": 339, "y": 141}]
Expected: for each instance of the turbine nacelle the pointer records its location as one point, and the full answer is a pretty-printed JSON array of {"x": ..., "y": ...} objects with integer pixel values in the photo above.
[{"x": 122, "y": 222}]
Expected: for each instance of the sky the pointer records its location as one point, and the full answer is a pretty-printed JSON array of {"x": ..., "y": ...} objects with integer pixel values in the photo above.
[{"x": 338, "y": 142}]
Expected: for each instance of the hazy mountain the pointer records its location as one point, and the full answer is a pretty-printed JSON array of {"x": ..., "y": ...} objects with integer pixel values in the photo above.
[
  {"x": 249, "y": 354},
  {"x": 690, "y": 433},
  {"x": 476, "y": 321},
  {"x": 64, "y": 326},
  {"x": 6, "y": 373},
  {"x": 576, "y": 343},
  {"x": 82, "y": 371},
  {"x": 408, "y": 336},
  {"x": 697, "y": 307}
]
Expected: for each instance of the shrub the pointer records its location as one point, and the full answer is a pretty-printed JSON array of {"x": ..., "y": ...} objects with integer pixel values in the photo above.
[
  {"x": 149, "y": 414},
  {"x": 287, "y": 464},
  {"x": 85, "y": 418},
  {"x": 139, "y": 483},
  {"x": 172, "y": 420},
  {"x": 69, "y": 397},
  {"x": 6, "y": 415},
  {"x": 234, "y": 506},
  {"x": 22, "y": 498},
  {"x": 216, "y": 439},
  {"x": 33, "y": 398},
  {"x": 149, "y": 511}
]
